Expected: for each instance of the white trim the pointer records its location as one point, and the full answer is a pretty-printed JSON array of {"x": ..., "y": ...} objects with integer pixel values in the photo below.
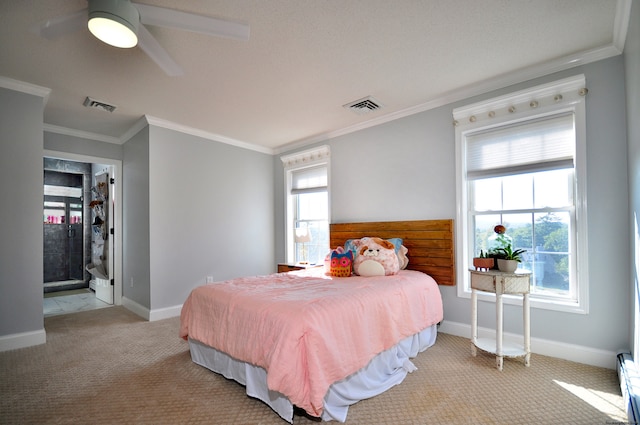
[
  {"x": 21, "y": 86},
  {"x": 480, "y": 87},
  {"x": 319, "y": 155},
  {"x": 136, "y": 308},
  {"x": 621, "y": 24},
  {"x": 561, "y": 350},
  {"x": 205, "y": 135},
  {"x": 50, "y": 128},
  {"x": 581, "y": 216},
  {"x": 567, "y": 87},
  {"x": 22, "y": 340},
  {"x": 151, "y": 315},
  {"x": 495, "y": 112},
  {"x": 139, "y": 125},
  {"x": 296, "y": 161},
  {"x": 117, "y": 216},
  {"x": 165, "y": 313},
  {"x": 158, "y": 122}
]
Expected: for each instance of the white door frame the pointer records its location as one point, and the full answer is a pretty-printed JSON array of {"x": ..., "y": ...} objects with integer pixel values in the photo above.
[{"x": 117, "y": 213}]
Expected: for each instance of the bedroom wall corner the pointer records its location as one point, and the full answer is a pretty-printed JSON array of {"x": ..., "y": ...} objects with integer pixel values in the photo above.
[
  {"x": 211, "y": 213},
  {"x": 136, "y": 284}
]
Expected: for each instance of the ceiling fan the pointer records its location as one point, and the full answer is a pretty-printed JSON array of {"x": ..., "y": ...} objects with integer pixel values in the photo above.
[{"x": 122, "y": 24}]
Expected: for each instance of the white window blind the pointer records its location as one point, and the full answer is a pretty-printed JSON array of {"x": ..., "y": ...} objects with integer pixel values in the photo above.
[
  {"x": 309, "y": 180},
  {"x": 544, "y": 144}
]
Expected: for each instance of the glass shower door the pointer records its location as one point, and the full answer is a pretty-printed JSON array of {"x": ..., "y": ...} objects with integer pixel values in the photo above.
[{"x": 63, "y": 234}]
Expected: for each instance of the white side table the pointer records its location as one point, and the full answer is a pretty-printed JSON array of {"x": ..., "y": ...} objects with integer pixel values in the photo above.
[{"x": 500, "y": 283}]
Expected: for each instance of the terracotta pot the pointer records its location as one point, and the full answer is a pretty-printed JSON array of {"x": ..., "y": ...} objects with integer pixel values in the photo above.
[{"x": 482, "y": 263}]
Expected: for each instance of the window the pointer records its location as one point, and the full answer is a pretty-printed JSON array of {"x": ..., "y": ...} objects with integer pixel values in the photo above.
[
  {"x": 520, "y": 163},
  {"x": 307, "y": 205}
]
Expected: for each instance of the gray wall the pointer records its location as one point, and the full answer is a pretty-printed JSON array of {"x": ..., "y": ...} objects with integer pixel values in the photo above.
[
  {"x": 21, "y": 242},
  {"x": 632, "y": 79},
  {"x": 193, "y": 208},
  {"x": 405, "y": 169},
  {"x": 135, "y": 219}
]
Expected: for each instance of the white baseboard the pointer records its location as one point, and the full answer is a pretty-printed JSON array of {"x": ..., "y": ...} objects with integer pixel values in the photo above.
[
  {"x": 29, "y": 339},
  {"x": 136, "y": 308},
  {"x": 165, "y": 313},
  {"x": 22, "y": 340},
  {"x": 575, "y": 353},
  {"x": 151, "y": 315}
]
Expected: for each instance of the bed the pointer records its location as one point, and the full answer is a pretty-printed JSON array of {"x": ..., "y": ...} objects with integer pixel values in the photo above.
[{"x": 305, "y": 341}]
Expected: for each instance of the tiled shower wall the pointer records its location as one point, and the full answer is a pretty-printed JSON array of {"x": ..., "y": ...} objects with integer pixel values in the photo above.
[{"x": 55, "y": 237}]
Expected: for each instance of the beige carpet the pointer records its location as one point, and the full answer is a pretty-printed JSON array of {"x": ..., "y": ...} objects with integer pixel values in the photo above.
[{"x": 110, "y": 367}]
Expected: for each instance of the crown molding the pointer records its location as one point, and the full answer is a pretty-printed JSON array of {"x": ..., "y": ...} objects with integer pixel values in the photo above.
[
  {"x": 470, "y": 90},
  {"x": 28, "y": 88},
  {"x": 307, "y": 157},
  {"x": 621, "y": 24},
  {"x": 158, "y": 122},
  {"x": 569, "y": 87},
  {"x": 50, "y": 128},
  {"x": 135, "y": 128}
]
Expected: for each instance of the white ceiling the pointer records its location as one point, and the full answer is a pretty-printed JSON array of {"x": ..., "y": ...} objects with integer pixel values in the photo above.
[{"x": 303, "y": 61}]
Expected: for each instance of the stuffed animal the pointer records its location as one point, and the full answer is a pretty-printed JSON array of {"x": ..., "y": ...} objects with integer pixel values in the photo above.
[
  {"x": 338, "y": 263},
  {"x": 341, "y": 263},
  {"x": 376, "y": 257}
]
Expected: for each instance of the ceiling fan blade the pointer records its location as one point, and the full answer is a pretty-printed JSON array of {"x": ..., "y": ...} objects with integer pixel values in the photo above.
[
  {"x": 163, "y": 17},
  {"x": 61, "y": 25},
  {"x": 157, "y": 53}
]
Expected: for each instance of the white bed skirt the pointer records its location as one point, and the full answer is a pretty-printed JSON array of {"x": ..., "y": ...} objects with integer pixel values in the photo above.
[{"x": 387, "y": 369}]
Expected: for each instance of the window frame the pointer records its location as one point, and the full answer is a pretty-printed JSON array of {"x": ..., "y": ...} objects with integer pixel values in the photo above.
[
  {"x": 316, "y": 157},
  {"x": 295, "y": 220},
  {"x": 563, "y": 96}
]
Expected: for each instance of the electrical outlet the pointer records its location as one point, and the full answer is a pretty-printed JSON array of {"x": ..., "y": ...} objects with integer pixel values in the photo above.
[
  {"x": 209, "y": 279},
  {"x": 132, "y": 282}
]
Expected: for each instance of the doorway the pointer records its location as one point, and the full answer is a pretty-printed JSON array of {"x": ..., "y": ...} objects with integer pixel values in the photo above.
[
  {"x": 80, "y": 225},
  {"x": 65, "y": 238}
]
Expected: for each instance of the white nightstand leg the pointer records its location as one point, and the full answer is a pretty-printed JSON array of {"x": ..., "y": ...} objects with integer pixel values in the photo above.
[
  {"x": 499, "y": 329},
  {"x": 474, "y": 322},
  {"x": 527, "y": 329}
]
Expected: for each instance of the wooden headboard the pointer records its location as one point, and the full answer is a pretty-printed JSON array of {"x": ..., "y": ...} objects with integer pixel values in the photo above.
[{"x": 430, "y": 243}]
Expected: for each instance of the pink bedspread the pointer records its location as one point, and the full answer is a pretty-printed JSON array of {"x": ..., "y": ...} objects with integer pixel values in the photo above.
[{"x": 309, "y": 330}]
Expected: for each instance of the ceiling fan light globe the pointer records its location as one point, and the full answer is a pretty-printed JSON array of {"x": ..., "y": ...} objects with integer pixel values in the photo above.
[
  {"x": 113, "y": 33},
  {"x": 114, "y": 22}
]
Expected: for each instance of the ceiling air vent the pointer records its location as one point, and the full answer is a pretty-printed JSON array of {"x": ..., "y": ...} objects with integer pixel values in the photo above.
[
  {"x": 92, "y": 103},
  {"x": 364, "y": 105}
]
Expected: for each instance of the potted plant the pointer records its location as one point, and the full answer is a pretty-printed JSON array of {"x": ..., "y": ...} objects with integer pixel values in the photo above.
[
  {"x": 510, "y": 258},
  {"x": 499, "y": 240},
  {"x": 483, "y": 262}
]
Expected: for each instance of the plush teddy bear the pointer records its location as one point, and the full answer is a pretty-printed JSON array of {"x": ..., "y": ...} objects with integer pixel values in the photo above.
[{"x": 376, "y": 257}]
